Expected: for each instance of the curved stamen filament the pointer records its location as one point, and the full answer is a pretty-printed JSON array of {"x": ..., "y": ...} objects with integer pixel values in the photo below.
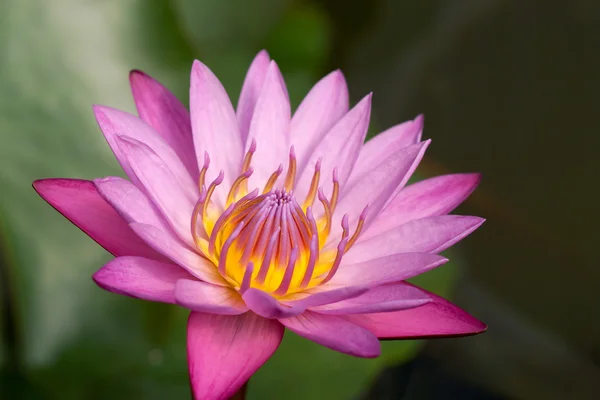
[
  {"x": 218, "y": 180},
  {"x": 314, "y": 184},
  {"x": 289, "y": 272},
  {"x": 336, "y": 191},
  {"x": 264, "y": 267},
  {"x": 291, "y": 173},
  {"x": 247, "y": 280},
  {"x": 203, "y": 170},
  {"x": 195, "y": 213},
  {"x": 237, "y": 184},
  {"x": 327, "y": 209},
  {"x": 356, "y": 234},
  {"x": 225, "y": 249},
  {"x": 248, "y": 157},
  {"x": 314, "y": 256},
  {"x": 272, "y": 179},
  {"x": 338, "y": 259}
]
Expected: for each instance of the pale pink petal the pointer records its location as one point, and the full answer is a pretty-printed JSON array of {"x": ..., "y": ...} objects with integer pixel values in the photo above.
[
  {"x": 339, "y": 149},
  {"x": 215, "y": 126},
  {"x": 380, "y": 271},
  {"x": 385, "y": 298},
  {"x": 430, "y": 197},
  {"x": 434, "y": 319},
  {"x": 427, "y": 235},
  {"x": 160, "y": 109},
  {"x": 318, "y": 298},
  {"x": 79, "y": 201},
  {"x": 387, "y": 143},
  {"x": 322, "y": 107},
  {"x": 251, "y": 89},
  {"x": 115, "y": 123},
  {"x": 270, "y": 127},
  {"x": 225, "y": 351},
  {"x": 267, "y": 306},
  {"x": 175, "y": 250},
  {"x": 377, "y": 186},
  {"x": 335, "y": 333},
  {"x": 204, "y": 297},
  {"x": 141, "y": 278},
  {"x": 161, "y": 186},
  {"x": 130, "y": 202}
]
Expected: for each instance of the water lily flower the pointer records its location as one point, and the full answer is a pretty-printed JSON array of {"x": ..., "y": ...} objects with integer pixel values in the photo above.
[{"x": 259, "y": 221}]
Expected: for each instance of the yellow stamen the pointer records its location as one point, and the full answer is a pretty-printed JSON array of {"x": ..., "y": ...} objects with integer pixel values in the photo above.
[
  {"x": 272, "y": 179},
  {"x": 237, "y": 185},
  {"x": 312, "y": 192},
  {"x": 291, "y": 174}
]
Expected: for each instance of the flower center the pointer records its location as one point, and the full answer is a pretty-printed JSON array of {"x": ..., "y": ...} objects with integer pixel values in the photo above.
[{"x": 270, "y": 241}]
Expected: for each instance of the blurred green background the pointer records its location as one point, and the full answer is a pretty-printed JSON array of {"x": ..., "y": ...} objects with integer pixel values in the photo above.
[{"x": 509, "y": 88}]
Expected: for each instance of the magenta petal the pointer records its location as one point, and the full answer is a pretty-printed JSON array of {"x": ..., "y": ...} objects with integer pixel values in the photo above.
[
  {"x": 377, "y": 186},
  {"x": 430, "y": 197},
  {"x": 331, "y": 296},
  {"x": 387, "y": 143},
  {"x": 434, "y": 319},
  {"x": 225, "y": 351},
  {"x": 324, "y": 105},
  {"x": 161, "y": 186},
  {"x": 251, "y": 89},
  {"x": 115, "y": 123},
  {"x": 339, "y": 149},
  {"x": 141, "y": 278},
  {"x": 267, "y": 306},
  {"x": 129, "y": 201},
  {"x": 204, "y": 297},
  {"x": 427, "y": 235},
  {"x": 160, "y": 109},
  {"x": 386, "y": 298},
  {"x": 214, "y": 125},
  {"x": 270, "y": 127},
  {"x": 335, "y": 333},
  {"x": 380, "y": 271},
  {"x": 175, "y": 250},
  {"x": 79, "y": 201}
]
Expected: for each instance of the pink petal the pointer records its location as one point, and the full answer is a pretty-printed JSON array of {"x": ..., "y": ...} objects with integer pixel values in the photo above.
[
  {"x": 434, "y": 196},
  {"x": 79, "y": 201},
  {"x": 316, "y": 299},
  {"x": 214, "y": 125},
  {"x": 387, "y": 143},
  {"x": 251, "y": 89},
  {"x": 161, "y": 186},
  {"x": 270, "y": 127},
  {"x": 427, "y": 235},
  {"x": 339, "y": 148},
  {"x": 379, "y": 271},
  {"x": 434, "y": 319},
  {"x": 335, "y": 333},
  {"x": 115, "y": 123},
  {"x": 386, "y": 298},
  {"x": 267, "y": 306},
  {"x": 225, "y": 351},
  {"x": 130, "y": 202},
  {"x": 160, "y": 109},
  {"x": 173, "y": 249},
  {"x": 324, "y": 105},
  {"x": 141, "y": 278},
  {"x": 376, "y": 186},
  {"x": 204, "y": 297}
]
